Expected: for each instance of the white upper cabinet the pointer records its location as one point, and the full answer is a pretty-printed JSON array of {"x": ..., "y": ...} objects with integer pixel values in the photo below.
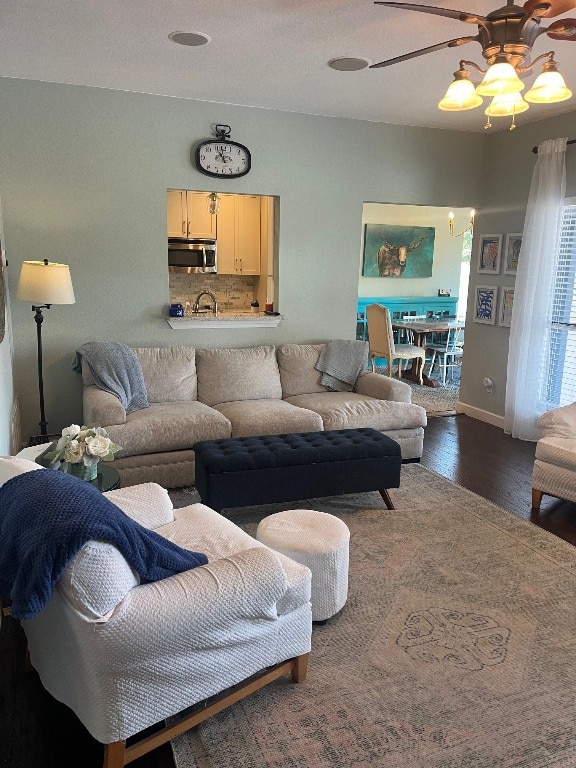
[
  {"x": 188, "y": 214},
  {"x": 239, "y": 235}
]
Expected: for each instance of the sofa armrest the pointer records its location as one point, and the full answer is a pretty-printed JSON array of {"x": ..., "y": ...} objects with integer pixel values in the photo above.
[
  {"x": 102, "y": 408},
  {"x": 195, "y": 609},
  {"x": 383, "y": 388},
  {"x": 147, "y": 503},
  {"x": 560, "y": 422}
]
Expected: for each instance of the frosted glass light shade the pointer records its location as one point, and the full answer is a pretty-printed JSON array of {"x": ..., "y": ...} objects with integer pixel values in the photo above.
[
  {"x": 460, "y": 95},
  {"x": 500, "y": 78},
  {"x": 549, "y": 87},
  {"x": 506, "y": 105},
  {"x": 45, "y": 283}
]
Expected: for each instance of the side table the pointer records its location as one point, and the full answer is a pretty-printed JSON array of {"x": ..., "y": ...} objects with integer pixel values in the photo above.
[{"x": 107, "y": 479}]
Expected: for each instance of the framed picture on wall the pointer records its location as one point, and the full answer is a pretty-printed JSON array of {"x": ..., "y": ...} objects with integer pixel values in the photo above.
[
  {"x": 392, "y": 250},
  {"x": 506, "y": 304},
  {"x": 485, "y": 304},
  {"x": 512, "y": 247},
  {"x": 489, "y": 254}
]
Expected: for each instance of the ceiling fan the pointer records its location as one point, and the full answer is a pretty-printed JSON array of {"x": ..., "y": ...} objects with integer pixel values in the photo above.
[{"x": 506, "y": 35}]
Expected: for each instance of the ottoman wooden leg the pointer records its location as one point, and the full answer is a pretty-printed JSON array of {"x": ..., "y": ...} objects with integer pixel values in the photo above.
[{"x": 387, "y": 500}]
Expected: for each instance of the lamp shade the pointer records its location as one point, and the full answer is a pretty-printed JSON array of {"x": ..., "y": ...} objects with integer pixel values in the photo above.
[
  {"x": 44, "y": 282},
  {"x": 460, "y": 95},
  {"x": 500, "y": 78},
  {"x": 549, "y": 87},
  {"x": 506, "y": 105}
]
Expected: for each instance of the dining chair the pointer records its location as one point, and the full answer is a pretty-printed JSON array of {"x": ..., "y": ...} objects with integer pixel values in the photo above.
[
  {"x": 448, "y": 352},
  {"x": 381, "y": 341}
]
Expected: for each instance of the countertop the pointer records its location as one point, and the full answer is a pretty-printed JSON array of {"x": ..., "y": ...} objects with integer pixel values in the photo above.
[{"x": 225, "y": 319}]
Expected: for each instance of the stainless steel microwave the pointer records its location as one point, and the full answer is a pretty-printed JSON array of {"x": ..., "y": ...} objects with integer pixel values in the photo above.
[{"x": 192, "y": 254}]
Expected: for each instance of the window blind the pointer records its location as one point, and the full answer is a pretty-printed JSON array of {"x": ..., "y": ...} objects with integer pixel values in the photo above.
[{"x": 561, "y": 383}]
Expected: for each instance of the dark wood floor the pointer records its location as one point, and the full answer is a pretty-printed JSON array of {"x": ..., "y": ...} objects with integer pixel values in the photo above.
[{"x": 37, "y": 732}]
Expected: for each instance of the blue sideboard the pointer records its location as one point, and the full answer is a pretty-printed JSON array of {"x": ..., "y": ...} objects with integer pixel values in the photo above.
[{"x": 399, "y": 306}]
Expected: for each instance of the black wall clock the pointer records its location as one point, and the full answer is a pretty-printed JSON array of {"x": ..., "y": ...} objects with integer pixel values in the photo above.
[{"x": 223, "y": 157}]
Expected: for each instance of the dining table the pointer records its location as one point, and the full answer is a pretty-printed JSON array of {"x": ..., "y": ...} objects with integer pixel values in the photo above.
[{"x": 420, "y": 330}]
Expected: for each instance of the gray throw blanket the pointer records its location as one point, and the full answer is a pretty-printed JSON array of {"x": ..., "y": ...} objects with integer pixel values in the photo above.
[
  {"x": 115, "y": 369},
  {"x": 341, "y": 362}
]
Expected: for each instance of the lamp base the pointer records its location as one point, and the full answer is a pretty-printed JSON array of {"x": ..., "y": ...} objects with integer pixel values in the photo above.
[{"x": 39, "y": 439}]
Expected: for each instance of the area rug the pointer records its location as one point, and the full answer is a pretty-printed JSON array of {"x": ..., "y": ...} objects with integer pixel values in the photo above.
[
  {"x": 456, "y": 647},
  {"x": 438, "y": 401}
]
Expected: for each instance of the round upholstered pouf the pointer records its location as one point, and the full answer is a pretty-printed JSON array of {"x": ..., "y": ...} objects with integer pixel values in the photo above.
[{"x": 319, "y": 541}]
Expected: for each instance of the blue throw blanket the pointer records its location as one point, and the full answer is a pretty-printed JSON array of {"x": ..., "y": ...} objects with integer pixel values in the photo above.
[
  {"x": 116, "y": 369},
  {"x": 45, "y": 519}
]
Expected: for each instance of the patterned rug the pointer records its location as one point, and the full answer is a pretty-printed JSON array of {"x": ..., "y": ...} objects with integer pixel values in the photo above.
[
  {"x": 456, "y": 648},
  {"x": 438, "y": 401}
]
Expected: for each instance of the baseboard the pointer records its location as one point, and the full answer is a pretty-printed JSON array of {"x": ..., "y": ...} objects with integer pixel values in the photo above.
[{"x": 480, "y": 415}]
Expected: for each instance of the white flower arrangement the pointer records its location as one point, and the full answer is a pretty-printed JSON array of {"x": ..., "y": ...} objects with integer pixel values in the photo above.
[{"x": 83, "y": 445}]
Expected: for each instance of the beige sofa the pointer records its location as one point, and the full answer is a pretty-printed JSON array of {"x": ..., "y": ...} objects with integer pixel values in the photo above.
[{"x": 207, "y": 394}]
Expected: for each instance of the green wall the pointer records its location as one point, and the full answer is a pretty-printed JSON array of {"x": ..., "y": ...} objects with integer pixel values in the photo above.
[
  {"x": 509, "y": 166},
  {"x": 83, "y": 176}
]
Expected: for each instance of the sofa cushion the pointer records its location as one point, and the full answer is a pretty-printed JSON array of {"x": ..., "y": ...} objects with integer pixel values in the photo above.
[
  {"x": 559, "y": 451},
  {"x": 297, "y": 368},
  {"x": 268, "y": 417},
  {"x": 147, "y": 503},
  {"x": 11, "y": 466},
  {"x": 169, "y": 373},
  {"x": 228, "y": 375},
  {"x": 168, "y": 427},
  {"x": 97, "y": 579},
  {"x": 559, "y": 422},
  {"x": 348, "y": 410}
]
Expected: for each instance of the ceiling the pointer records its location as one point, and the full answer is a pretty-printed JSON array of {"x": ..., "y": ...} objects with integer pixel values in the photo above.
[{"x": 263, "y": 53}]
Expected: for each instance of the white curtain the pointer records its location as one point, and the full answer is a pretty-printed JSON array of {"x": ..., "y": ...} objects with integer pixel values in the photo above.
[{"x": 528, "y": 356}]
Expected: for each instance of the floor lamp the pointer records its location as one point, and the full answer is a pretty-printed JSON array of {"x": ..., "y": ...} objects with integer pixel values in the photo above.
[{"x": 43, "y": 283}]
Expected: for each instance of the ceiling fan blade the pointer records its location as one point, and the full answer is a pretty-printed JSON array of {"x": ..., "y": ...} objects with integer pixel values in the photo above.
[
  {"x": 469, "y": 18},
  {"x": 564, "y": 29},
  {"x": 556, "y": 7},
  {"x": 413, "y": 54}
]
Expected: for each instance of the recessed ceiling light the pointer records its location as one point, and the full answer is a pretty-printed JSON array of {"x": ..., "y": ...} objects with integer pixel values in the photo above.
[
  {"x": 189, "y": 38},
  {"x": 348, "y": 65}
]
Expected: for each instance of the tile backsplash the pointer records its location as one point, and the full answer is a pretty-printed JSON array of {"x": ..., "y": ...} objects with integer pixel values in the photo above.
[{"x": 231, "y": 291}]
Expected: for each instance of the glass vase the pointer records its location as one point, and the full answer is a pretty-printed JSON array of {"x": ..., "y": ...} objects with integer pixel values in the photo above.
[{"x": 82, "y": 471}]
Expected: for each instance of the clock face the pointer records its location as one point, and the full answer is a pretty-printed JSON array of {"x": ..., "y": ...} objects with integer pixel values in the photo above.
[{"x": 223, "y": 158}]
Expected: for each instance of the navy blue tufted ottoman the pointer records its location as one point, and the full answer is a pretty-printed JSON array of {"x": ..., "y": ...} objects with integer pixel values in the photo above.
[{"x": 246, "y": 471}]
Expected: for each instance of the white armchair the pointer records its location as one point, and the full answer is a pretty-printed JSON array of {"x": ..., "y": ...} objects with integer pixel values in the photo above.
[
  {"x": 124, "y": 656},
  {"x": 554, "y": 470}
]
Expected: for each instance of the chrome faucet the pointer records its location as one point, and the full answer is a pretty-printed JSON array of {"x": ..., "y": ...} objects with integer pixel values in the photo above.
[{"x": 196, "y": 305}]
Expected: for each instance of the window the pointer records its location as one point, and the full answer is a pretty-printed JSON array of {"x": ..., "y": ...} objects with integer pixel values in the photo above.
[{"x": 561, "y": 384}]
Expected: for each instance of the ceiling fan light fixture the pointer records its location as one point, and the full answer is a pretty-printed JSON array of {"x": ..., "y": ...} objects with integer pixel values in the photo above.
[
  {"x": 500, "y": 78},
  {"x": 506, "y": 105},
  {"x": 549, "y": 87},
  {"x": 461, "y": 94}
]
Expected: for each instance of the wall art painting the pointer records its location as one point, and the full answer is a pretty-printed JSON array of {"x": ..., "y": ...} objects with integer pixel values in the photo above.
[
  {"x": 489, "y": 254},
  {"x": 512, "y": 248},
  {"x": 506, "y": 304},
  {"x": 485, "y": 304},
  {"x": 392, "y": 250}
]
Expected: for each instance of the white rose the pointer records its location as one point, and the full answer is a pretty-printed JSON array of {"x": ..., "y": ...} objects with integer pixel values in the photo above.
[
  {"x": 74, "y": 452},
  {"x": 72, "y": 431},
  {"x": 98, "y": 446}
]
